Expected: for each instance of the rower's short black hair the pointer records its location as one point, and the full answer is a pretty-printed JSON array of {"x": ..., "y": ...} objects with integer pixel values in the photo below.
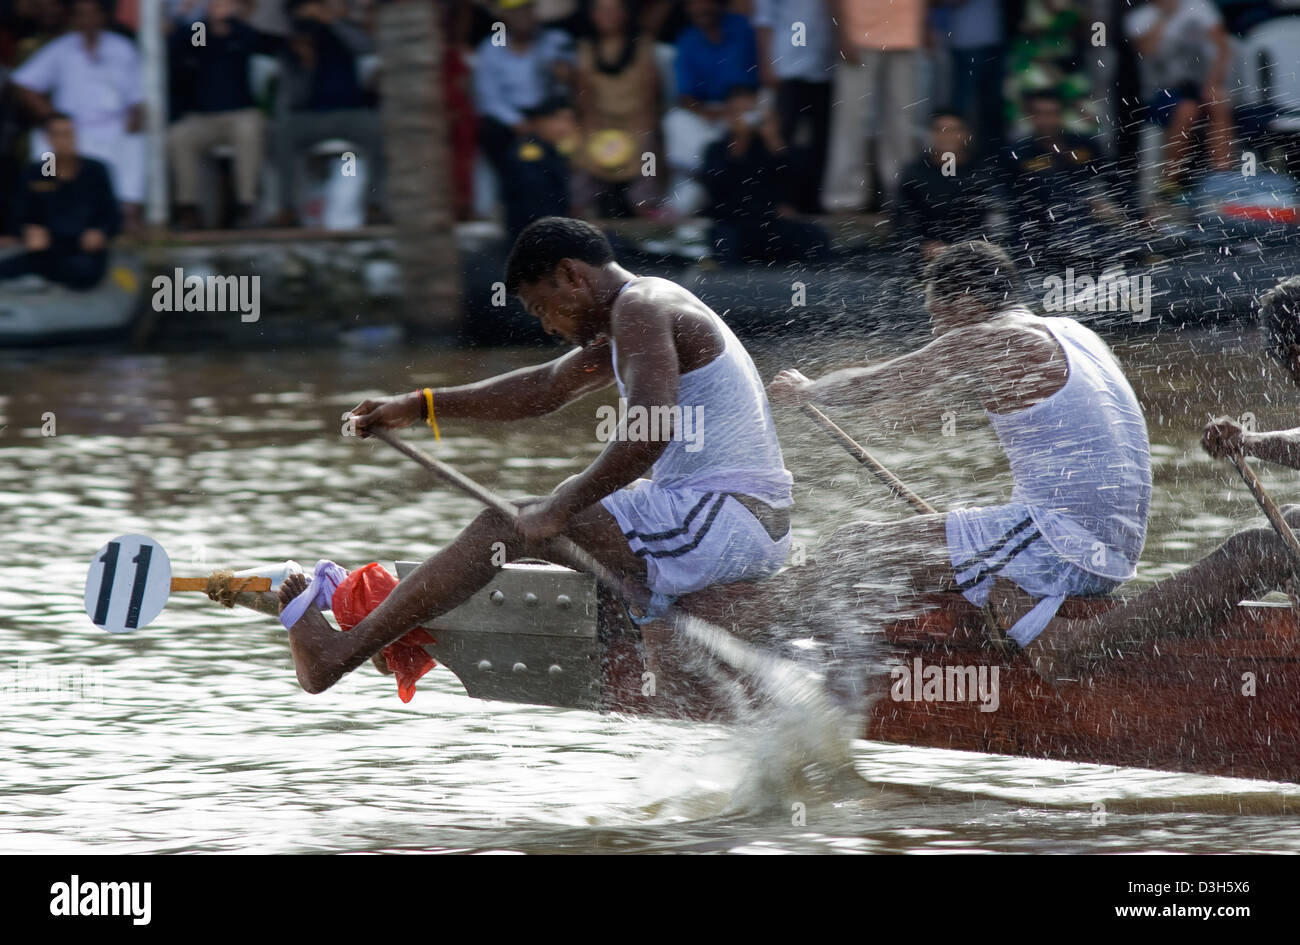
[
  {"x": 946, "y": 111},
  {"x": 543, "y": 243},
  {"x": 1279, "y": 310},
  {"x": 978, "y": 269}
]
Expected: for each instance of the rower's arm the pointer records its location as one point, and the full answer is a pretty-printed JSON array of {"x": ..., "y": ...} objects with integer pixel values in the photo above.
[
  {"x": 650, "y": 371},
  {"x": 1277, "y": 446},
  {"x": 949, "y": 363},
  {"x": 531, "y": 391}
]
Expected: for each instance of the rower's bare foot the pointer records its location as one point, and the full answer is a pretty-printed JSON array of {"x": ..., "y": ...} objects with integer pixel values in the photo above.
[{"x": 315, "y": 644}]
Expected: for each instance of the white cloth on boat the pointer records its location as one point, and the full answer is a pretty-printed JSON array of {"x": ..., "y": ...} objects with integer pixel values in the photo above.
[
  {"x": 325, "y": 579},
  {"x": 1005, "y": 540},
  {"x": 691, "y": 539}
]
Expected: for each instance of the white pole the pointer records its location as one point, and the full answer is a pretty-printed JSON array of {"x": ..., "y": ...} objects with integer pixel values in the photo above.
[{"x": 153, "y": 54}]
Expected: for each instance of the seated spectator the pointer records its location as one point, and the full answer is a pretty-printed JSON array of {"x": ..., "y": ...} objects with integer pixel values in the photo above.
[
  {"x": 1057, "y": 184},
  {"x": 93, "y": 75},
  {"x": 530, "y": 66},
  {"x": 715, "y": 54},
  {"x": 221, "y": 109},
  {"x": 617, "y": 99},
  {"x": 945, "y": 195},
  {"x": 66, "y": 213},
  {"x": 1184, "y": 62},
  {"x": 536, "y": 182},
  {"x": 800, "y": 75},
  {"x": 751, "y": 186},
  {"x": 321, "y": 96}
]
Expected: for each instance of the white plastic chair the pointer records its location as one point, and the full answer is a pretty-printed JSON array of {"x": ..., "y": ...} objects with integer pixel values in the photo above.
[{"x": 1269, "y": 65}]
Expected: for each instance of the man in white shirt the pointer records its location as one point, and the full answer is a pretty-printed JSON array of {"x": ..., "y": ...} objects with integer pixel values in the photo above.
[
  {"x": 93, "y": 76},
  {"x": 1184, "y": 56}
]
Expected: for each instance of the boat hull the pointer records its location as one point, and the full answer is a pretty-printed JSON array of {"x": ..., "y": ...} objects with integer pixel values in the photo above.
[{"x": 1224, "y": 702}]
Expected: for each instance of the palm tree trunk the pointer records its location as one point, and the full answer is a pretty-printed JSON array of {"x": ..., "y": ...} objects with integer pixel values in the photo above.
[{"x": 410, "y": 42}]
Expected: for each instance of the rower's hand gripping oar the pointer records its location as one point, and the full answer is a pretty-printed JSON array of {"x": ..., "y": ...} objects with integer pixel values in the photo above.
[{"x": 782, "y": 678}]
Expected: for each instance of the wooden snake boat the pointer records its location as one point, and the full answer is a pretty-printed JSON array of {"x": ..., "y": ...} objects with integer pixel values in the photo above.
[{"x": 1225, "y": 702}]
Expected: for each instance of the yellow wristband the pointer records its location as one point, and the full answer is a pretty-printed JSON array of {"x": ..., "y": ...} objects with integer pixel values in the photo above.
[{"x": 428, "y": 400}]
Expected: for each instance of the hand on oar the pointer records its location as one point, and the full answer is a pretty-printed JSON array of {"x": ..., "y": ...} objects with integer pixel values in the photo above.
[
  {"x": 790, "y": 388},
  {"x": 388, "y": 413},
  {"x": 1224, "y": 438}
]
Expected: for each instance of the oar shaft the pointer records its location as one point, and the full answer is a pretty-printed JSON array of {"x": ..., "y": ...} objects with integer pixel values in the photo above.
[
  {"x": 781, "y": 677},
  {"x": 573, "y": 554},
  {"x": 892, "y": 482},
  {"x": 1270, "y": 510}
]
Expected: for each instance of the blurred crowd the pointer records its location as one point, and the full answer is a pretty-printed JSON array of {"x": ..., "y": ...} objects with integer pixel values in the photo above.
[{"x": 950, "y": 117}]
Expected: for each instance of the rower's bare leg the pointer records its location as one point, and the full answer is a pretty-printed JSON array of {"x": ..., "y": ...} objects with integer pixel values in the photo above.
[
  {"x": 1247, "y": 565},
  {"x": 443, "y": 582}
]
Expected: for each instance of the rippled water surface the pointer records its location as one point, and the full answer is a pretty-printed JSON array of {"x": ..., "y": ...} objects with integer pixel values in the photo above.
[{"x": 192, "y": 734}]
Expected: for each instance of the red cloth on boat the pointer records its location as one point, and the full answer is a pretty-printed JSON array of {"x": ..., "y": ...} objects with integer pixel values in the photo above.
[{"x": 361, "y": 592}]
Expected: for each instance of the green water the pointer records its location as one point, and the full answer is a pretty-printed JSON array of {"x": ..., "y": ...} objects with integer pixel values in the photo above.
[{"x": 192, "y": 735}]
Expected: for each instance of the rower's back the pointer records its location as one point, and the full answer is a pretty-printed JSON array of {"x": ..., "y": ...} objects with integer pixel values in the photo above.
[
  {"x": 733, "y": 446},
  {"x": 1080, "y": 458}
]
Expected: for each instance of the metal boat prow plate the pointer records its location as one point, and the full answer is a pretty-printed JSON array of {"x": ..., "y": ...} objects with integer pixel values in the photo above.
[{"x": 532, "y": 635}]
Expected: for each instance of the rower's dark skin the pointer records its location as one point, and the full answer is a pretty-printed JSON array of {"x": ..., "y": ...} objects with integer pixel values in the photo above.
[
  {"x": 661, "y": 332},
  {"x": 1198, "y": 599},
  {"x": 1001, "y": 362}
]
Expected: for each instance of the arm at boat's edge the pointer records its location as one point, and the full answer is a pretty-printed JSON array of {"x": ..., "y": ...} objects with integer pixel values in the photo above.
[
  {"x": 1277, "y": 446},
  {"x": 529, "y": 392}
]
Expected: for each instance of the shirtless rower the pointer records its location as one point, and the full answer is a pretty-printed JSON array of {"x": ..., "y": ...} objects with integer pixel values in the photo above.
[
  {"x": 715, "y": 508},
  {"x": 1064, "y": 414},
  {"x": 1247, "y": 565}
]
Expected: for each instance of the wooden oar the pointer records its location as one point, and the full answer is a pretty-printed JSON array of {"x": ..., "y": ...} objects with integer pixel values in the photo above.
[
  {"x": 997, "y": 634},
  {"x": 1270, "y": 510},
  {"x": 238, "y": 585},
  {"x": 892, "y": 482},
  {"x": 783, "y": 678}
]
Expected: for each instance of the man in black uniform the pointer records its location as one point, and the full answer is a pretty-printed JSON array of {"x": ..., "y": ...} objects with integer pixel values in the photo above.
[
  {"x": 535, "y": 178},
  {"x": 753, "y": 184},
  {"x": 65, "y": 213},
  {"x": 1059, "y": 185},
  {"x": 944, "y": 196}
]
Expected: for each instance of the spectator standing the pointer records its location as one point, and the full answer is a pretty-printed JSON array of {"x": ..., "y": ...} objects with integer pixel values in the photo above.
[
  {"x": 1184, "y": 57},
  {"x": 977, "y": 43},
  {"x": 321, "y": 96},
  {"x": 65, "y": 219},
  {"x": 946, "y": 195},
  {"x": 222, "y": 109},
  {"x": 796, "y": 59},
  {"x": 617, "y": 100},
  {"x": 715, "y": 53},
  {"x": 874, "y": 96},
  {"x": 752, "y": 184},
  {"x": 516, "y": 70},
  {"x": 93, "y": 76}
]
